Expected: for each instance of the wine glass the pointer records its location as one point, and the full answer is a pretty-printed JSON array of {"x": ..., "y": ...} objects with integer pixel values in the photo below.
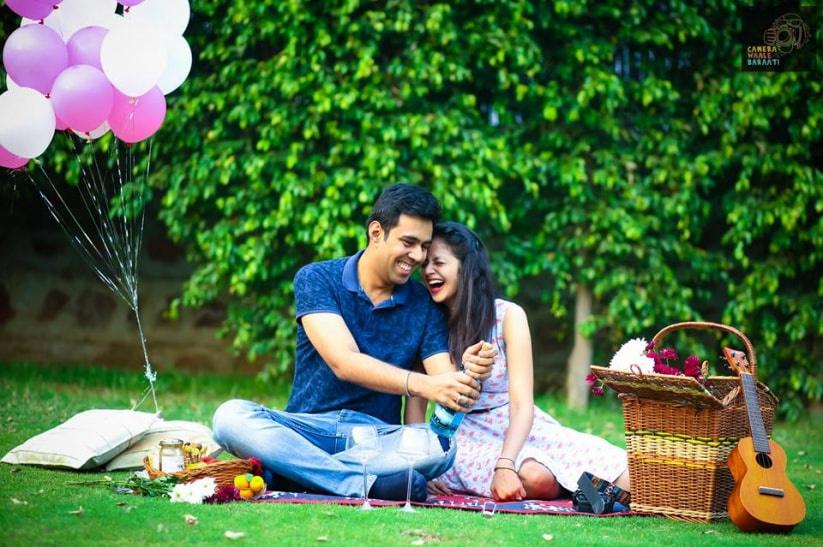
[
  {"x": 412, "y": 447},
  {"x": 364, "y": 444}
]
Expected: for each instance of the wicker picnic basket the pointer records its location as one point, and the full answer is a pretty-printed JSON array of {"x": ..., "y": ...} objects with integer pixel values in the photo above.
[
  {"x": 223, "y": 472},
  {"x": 679, "y": 434}
]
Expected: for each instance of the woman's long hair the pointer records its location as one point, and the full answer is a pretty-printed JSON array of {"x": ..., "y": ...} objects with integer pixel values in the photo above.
[{"x": 473, "y": 314}]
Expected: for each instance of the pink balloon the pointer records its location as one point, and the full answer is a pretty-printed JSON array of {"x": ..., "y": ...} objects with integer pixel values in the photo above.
[
  {"x": 82, "y": 97},
  {"x": 60, "y": 125},
  {"x": 136, "y": 119},
  {"x": 33, "y": 9},
  {"x": 129, "y": 2},
  {"x": 84, "y": 46},
  {"x": 34, "y": 55},
  {"x": 7, "y": 159}
]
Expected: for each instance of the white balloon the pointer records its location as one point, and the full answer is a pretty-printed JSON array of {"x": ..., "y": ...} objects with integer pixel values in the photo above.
[
  {"x": 178, "y": 66},
  {"x": 94, "y": 133},
  {"x": 27, "y": 122},
  {"x": 114, "y": 21},
  {"x": 72, "y": 15},
  {"x": 171, "y": 16},
  {"x": 133, "y": 57}
]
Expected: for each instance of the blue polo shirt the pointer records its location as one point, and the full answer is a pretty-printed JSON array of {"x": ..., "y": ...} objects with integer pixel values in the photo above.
[{"x": 402, "y": 330}]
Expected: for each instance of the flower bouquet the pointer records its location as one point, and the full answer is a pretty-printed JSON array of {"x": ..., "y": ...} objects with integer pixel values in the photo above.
[
  {"x": 681, "y": 424},
  {"x": 640, "y": 366}
]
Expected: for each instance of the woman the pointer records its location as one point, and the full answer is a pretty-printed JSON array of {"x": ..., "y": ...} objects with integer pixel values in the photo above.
[{"x": 506, "y": 447}]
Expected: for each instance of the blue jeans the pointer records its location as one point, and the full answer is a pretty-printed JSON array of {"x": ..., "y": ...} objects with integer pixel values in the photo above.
[{"x": 310, "y": 449}]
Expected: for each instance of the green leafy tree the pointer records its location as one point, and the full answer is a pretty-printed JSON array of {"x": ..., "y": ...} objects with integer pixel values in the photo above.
[{"x": 614, "y": 152}]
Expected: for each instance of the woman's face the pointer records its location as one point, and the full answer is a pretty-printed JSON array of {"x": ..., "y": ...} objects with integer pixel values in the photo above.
[{"x": 440, "y": 272}]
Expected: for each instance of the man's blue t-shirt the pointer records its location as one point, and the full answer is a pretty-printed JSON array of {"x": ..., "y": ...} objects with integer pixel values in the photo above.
[{"x": 402, "y": 330}]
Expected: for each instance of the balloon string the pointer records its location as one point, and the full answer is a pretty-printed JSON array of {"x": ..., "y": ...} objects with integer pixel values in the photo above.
[
  {"x": 113, "y": 254},
  {"x": 151, "y": 376}
]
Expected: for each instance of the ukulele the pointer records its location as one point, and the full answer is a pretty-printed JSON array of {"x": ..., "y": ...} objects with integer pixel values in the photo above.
[{"x": 763, "y": 499}]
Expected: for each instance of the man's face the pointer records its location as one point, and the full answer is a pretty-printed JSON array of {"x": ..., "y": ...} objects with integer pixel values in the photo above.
[{"x": 404, "y": 248}]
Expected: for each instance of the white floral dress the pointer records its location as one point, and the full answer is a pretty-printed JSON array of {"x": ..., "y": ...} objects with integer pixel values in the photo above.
[{"x": 566, "y": 452}]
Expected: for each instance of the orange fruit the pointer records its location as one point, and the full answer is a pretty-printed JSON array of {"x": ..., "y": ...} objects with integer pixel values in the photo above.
[
  {"x": 246, "y": 494},
  {"x": 257, "y": 484},
  {"x": 241, "y": 482}
]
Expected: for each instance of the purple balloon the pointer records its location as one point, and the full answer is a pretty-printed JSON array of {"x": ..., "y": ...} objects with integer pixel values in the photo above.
[
  {"x": 136, "y": 119},
  {"x": 34, "y": 55},
  {"x": 33, "y": 9},
  {"x": 129, "y": 2},
  {"x": 84, "y": 46},
  {"x": 82, "y": 97},
  {"x": 7, "y": 159}
]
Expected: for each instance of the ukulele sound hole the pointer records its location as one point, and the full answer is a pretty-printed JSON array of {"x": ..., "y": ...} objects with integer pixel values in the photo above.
[{"x": 763, "y": 460}]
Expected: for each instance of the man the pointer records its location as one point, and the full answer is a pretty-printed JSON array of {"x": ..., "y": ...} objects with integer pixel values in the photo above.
[{"x": 362, "y": 327}]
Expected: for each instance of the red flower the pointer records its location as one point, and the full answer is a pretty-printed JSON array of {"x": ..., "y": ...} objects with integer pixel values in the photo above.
[
  {"x": 661, "y": 368},
  {"x": 223, "y": 494},
  {"x": 668, "y": 353},
  {"x": 597, "y": 391},
  {"x": 591, "y": 379},
  {"x": 691, "y": 366},
  {"x": 256, "y": 466}
]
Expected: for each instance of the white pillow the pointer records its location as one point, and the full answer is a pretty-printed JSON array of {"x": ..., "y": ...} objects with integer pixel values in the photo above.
[
  {"x": 190, "y": 432},
  {"x": 85, "y": 441}
]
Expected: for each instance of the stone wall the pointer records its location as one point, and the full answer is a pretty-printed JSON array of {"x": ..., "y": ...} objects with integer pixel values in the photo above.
[{"x": 54, "y": 309}]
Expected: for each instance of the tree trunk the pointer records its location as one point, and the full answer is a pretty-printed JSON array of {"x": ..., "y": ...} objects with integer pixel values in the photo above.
[{"x": 577, "y": 392}]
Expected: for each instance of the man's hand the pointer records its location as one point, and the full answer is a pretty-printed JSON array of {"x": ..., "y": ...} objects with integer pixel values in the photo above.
[
  {"x": 478, "y": 360},
  {"x": 507, "y": 486},
  {"x": 454, "y": 390}
]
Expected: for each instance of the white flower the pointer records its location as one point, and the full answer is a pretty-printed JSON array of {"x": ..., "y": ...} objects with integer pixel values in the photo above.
[
  {"x": 176, "y": 494},
  {"x": 193, "y": 492},
  {"x": 205, "y": 487},
  {"x": 631, "y": 353}
]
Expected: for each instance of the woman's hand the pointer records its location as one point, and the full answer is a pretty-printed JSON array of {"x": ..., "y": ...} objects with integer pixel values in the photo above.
[
  {"x": 478, "y": 360},
  {"x": 507, "y": 486},
  {"x": 437, "y": 488}
]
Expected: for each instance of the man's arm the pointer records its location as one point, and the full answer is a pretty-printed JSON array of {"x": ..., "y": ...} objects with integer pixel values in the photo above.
[
  {"x": 477, "y": 360},
  {"x": 334, "y": 342}
]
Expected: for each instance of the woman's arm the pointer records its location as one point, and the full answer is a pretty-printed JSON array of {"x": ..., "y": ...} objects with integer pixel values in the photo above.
[
  {"x": 415, "y": 412},
  {"x": 506, "y": 484}
]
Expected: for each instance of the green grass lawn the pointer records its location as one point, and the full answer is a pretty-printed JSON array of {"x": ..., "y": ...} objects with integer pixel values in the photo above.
[{"x": 40, "y": 507}]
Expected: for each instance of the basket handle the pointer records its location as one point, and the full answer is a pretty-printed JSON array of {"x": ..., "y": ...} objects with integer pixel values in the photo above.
[{"x": 705, "y": 325}]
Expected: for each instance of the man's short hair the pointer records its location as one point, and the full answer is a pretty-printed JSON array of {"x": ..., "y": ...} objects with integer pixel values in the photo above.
[{"x": 403, "y": 199}]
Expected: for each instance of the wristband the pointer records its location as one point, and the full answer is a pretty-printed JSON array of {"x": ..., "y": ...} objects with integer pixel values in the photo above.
[
  {"x": 406, "y": 384},
  {"x": 507, "y": 468}
]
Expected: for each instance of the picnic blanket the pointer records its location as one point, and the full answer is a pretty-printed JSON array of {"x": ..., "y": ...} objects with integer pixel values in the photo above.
[{"x": 456, "y": 501}]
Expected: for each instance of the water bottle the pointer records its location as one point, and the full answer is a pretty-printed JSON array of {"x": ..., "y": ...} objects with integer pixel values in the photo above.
[{"x": 445, "y": 421}]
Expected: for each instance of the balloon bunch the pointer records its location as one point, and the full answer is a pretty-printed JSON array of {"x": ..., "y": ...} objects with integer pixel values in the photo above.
[
  {"x": 88, "y": 67},
  {"x": 80, "y": 66}
]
